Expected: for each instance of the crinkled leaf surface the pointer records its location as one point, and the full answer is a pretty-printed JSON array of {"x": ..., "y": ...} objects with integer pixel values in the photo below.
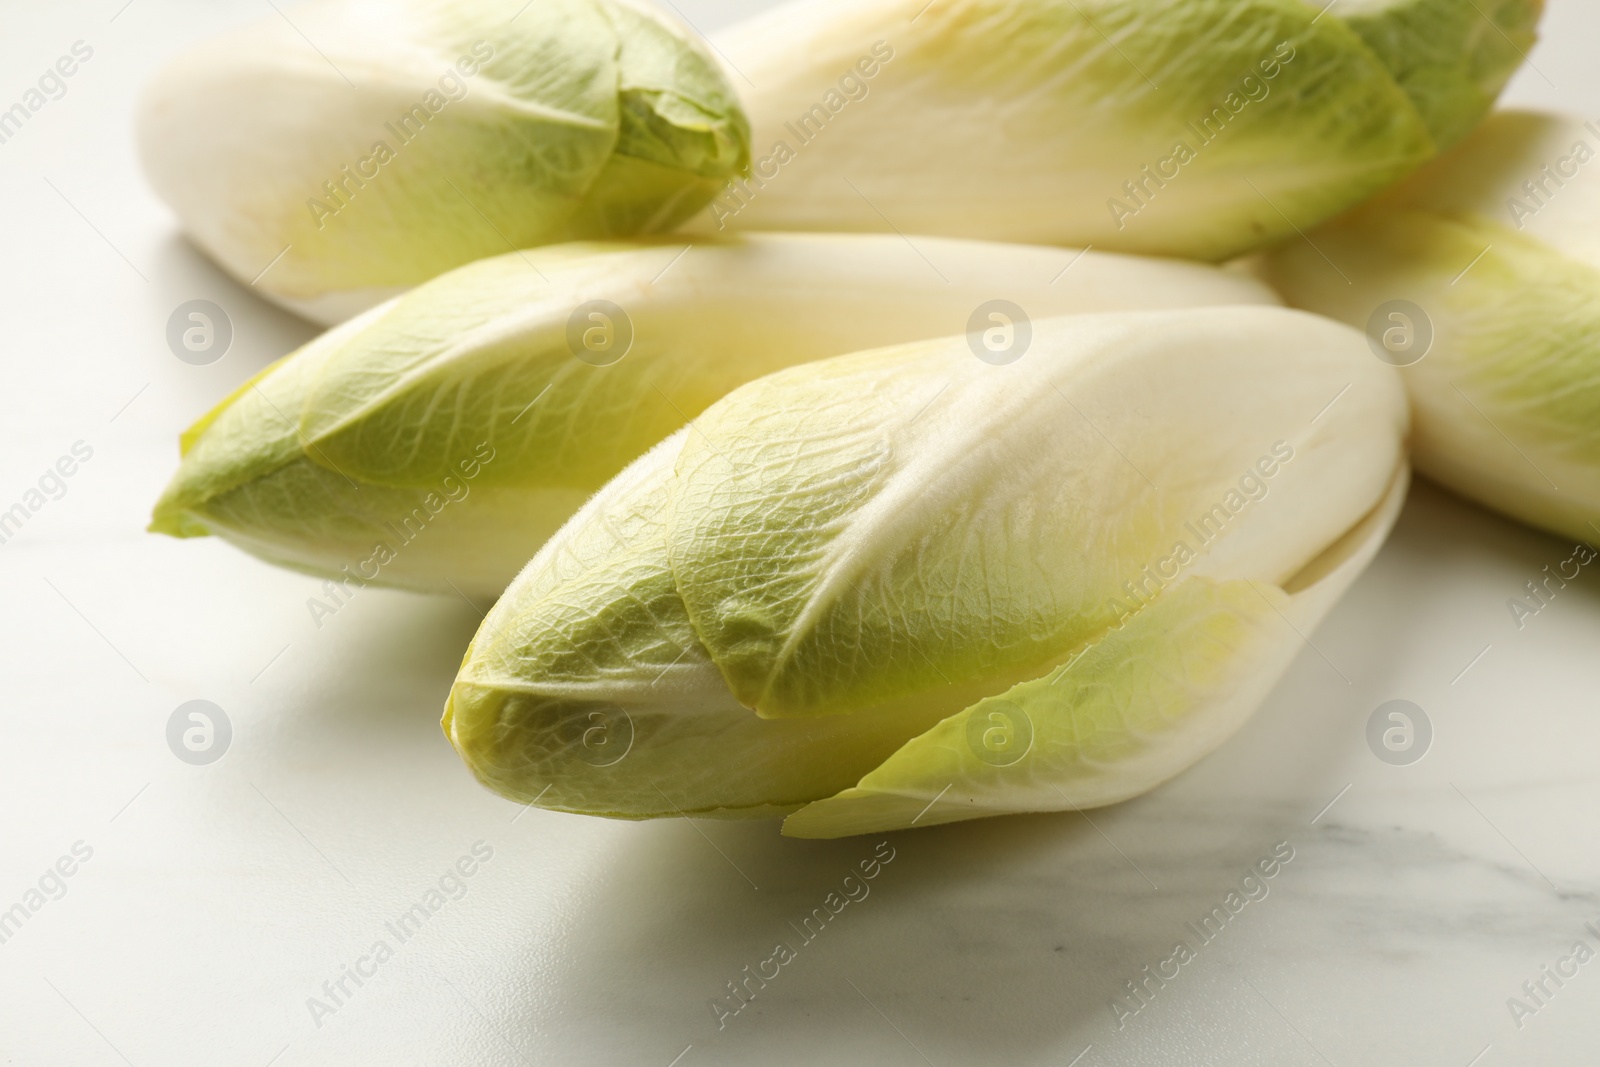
[
  {"x": 912, "y": 518},
  {"x": 811, "y": 590},
  {"x": 1201, "y": 128},
  {"x": 329, "y": 453},
  {"x": 370, "y": 146}
]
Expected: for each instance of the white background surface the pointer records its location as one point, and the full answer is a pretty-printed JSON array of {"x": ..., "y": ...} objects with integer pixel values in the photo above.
[{"x": 218, "y": 899}]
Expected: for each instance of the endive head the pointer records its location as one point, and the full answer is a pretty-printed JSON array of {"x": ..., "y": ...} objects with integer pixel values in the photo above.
[
  {"x": 434, "y": 443},
  {"x": 1481, "y": 275},
  {"x": 858, "y": 587},
  {"x": 1199, "y": 128},
  {"x": 340, "y": 152}
]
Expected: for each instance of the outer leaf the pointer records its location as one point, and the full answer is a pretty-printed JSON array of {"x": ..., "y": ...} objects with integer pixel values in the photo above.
[
  {"x": 615, "y": 676},
  {"x": 1507, "y": 400},
  {"x": 1127, "y": 713},
  {"x": 1451, "y": 58},
  {"x": 899, "y": 521},
  {"x": 1199, "y": 128},
  {"x": 338, "y": 448},
  {"x": 587, "y": 689},
  {"x": 354, "y": 149}
]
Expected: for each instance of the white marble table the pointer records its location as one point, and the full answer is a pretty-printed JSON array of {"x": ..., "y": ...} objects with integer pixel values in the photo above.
[{"x": 211, "y": 911}]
